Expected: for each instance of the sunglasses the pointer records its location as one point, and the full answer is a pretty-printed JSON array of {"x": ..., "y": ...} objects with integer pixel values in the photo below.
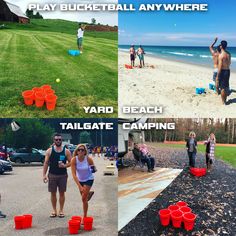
[
  {"x": 81, "y": 150},
  {"x": 57, "y": 139}
]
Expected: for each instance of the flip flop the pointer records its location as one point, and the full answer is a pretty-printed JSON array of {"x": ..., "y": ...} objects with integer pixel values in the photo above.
[
  {"x": 61, "y": 215},
  {"x": 53, "y": 215},
  {"x": 90, "y": 194},
  {"x": 2, "y": 215}
]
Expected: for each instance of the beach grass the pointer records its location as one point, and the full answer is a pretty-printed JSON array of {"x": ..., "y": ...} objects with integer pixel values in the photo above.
[
  {"x": 35, "y": 54},
  {"x": 227, "y": 154}
]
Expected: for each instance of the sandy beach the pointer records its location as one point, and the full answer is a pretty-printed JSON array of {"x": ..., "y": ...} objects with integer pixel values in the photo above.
[{"x": 172, "y": 85}]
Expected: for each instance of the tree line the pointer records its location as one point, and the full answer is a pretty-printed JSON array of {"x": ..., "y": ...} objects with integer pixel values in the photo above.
[{"x": 224, "y": 130}]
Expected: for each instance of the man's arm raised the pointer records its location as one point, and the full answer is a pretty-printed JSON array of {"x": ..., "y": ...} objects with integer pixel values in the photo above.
[{"x": 211, "y": 47}]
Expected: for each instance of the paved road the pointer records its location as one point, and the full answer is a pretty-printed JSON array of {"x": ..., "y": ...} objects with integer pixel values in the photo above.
[{"x": 23, "y": 192}]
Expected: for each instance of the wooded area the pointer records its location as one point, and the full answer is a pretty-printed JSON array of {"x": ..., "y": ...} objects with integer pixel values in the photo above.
[{"x": 224, "y": 130}]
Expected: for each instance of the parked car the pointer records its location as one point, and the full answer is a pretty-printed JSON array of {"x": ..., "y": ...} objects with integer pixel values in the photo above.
[
  {"x": 5, "y": 166},
  {"x": 23, "y": 155},
  {"x": 3, "y": 155}
]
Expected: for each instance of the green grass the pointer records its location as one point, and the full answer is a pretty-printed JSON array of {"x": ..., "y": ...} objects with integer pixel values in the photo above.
[
  {"x": 36, "y": 54},
  {"x": 227, "y": 154}
]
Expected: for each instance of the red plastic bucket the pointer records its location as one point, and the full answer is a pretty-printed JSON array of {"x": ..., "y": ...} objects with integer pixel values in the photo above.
[
  {"x": 128, "y": 66},
  {"x": 176, "y": 217},
  {"x": 173, "y": 208},
  {"x": 181, "y": 204},
  {"x": 28, "y": 221},
  {"x": 88, "y": 223},
  {"x": 185, "y": 209},
  {"x": 19, "y": 222},
  {"x": 37, "y": 89},
  {"x": 28, "y": 96},
  {"x": 51, "y": 101},
  {"x": 39, "y": 99},
  {"x": 164, "y": 216},
  {"x": 189, "y": 221},
  {"x": 46, "y": 86},
  {"x": 78, "y": 219},
  {"x": 49, "y": 91},
  {"x": 73, "y": 226}
]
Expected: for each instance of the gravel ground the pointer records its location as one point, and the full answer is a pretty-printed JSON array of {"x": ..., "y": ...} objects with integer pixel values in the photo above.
[{"x": 211, "y": 197}]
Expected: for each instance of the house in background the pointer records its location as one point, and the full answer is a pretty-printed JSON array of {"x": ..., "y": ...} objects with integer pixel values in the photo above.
[
  {"x": 66, "y": 138},
  {"x": 12, "y": 13}
]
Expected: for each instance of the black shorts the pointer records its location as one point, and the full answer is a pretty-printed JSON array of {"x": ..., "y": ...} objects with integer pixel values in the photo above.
[
  {"x": 87, "y": 183},
  {"x": 132, "y": 57},
  {"x": 224, "y": 79}
]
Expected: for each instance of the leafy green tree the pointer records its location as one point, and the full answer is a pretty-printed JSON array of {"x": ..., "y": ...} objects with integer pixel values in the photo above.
[
  {"x": 93, "y": 21},
  {"x": 85, "y": 137},
  {"x": 34, "y": 133}
]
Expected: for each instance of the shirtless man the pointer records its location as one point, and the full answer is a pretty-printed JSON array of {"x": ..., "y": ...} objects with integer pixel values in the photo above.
[
  {"x": 215, "y": 55},
  {"x": 223, "y": 71},
  {"x": 132, "y": 54}
]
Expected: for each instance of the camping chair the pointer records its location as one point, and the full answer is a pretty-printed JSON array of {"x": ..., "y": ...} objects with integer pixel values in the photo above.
[{"x": 138, "y": 162}]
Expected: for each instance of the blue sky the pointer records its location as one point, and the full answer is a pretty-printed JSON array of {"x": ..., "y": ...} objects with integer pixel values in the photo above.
[
  {"x": 110, "y": 18},
  {"x": 179, "y": 28}
]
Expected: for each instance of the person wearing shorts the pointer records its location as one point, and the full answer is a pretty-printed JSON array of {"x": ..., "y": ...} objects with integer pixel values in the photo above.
[
  {"x": 215, "y": 55},
  {"x": 80, "y": 36},
  {"x": 224, "y": 71},
  {"x": 58, "y": 159},
  {"x": 82, "y": 168},
  {"x": 132, "y": 55}
]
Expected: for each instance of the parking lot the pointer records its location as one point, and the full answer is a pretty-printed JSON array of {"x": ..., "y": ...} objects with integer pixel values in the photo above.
[{"x": 23, "y": 192}]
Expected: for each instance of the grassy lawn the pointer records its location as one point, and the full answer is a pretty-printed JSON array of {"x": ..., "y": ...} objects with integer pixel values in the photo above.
[
  {"x": 227, "y": 154},
  {"x": 36, "y": 54}
]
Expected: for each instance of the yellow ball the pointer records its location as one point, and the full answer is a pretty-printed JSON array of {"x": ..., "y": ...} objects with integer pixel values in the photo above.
[{"x": 58, "y": 80}]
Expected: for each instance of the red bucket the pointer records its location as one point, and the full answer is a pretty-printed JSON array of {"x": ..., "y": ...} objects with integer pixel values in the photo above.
[
  {"x": 189, "y": 221},
  {"x": 28, "y": 96},
  {"x": 37, "y": 89},
  {"x": 39, "y": 99},
  {"x": 51, "y": 100},
  {"x": 88, "y": 223},
  {"x": 164, "y": 216},
  {"x": 176, "y": 217},
  {"x": 49, "y": 91},
  {"x": 181, "y": 204},
  {"x": 46, "y": 86},
  {"x": 185, "y": 210},
  {"x": 73, "y": 226},
  {"x": 173, "y": 208},
  {"x": 19, "y": 222},
  {"x": 28, "y": 220},
  {"x": 78, "y": 219},
  {"x": 128, "y": 66}
]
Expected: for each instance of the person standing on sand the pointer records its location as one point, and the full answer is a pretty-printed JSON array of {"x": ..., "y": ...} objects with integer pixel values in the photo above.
[
  {"x": 140, "y": 53},
  {"x": 223, "y": 76},
  {"x": 80, "y": 36},
  {"x": 215, "y": 57},
  {"x": 132, "y": 55}
]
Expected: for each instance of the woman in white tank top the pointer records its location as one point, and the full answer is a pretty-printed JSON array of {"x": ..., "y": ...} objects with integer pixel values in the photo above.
[{"x": 82, "y": 168}]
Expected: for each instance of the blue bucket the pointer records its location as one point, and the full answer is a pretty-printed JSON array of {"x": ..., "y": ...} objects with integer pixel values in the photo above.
[
  {"x": 73, "y": 52},
  {"x": 211, "y": 86},
  {"x": 200, "y": 90}
]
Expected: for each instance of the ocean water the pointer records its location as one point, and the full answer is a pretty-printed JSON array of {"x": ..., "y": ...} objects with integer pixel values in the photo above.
[{"x": 193, "y": 55}]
